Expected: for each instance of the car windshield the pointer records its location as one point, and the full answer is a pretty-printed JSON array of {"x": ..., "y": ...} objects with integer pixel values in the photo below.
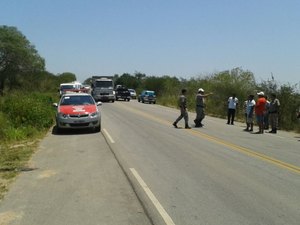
[
  {"x": 64, "y": 87},
  {"x": 150, "y": 93},
  {"x": 77, "y": 100},
  {"x": 104, "y": 84},
  {"x": 122, "y": 89}
]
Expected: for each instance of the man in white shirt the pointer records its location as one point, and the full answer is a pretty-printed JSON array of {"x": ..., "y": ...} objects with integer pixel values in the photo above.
[
  {"x": 232, "y": 106},
  {"x": 250, "y": 103}
]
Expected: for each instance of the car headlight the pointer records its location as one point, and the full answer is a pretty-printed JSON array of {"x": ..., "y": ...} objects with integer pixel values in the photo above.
[
  {"x": 95, "y": 114},
  {"x": 62, "y": 115}
]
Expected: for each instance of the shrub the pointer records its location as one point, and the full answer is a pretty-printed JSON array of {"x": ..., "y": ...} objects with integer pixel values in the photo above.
[
  {"x": 29, "y": 110},
  {"x": 5, "y": 125}
]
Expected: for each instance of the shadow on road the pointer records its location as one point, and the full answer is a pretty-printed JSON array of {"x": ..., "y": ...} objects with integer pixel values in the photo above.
[{"x": 72, "y": 131}]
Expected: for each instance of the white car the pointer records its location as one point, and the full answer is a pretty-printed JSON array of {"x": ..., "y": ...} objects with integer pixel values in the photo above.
[{"x": 132, "y": 93}]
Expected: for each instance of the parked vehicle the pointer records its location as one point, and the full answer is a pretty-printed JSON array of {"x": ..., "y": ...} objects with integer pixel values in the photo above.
[
  {"x": 77, "y": 111},
  {"x": 122, "y": 93},
  {"x": 132, "y": 93},
  {"x": 103, "y": 88},
  {"x": 147, "y": 96}
]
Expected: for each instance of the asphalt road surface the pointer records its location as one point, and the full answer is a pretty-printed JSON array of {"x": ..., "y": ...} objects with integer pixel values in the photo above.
[{"x": 215, "y": 175}]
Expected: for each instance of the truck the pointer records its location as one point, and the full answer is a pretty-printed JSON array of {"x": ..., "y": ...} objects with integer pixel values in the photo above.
[
  {"x": 122, "y": 92},
  {"x": 103, "y": 88}
]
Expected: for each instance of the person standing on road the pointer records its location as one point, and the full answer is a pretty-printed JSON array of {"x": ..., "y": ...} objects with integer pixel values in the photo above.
[
  {"x": 266, "y": 114},
  {"x": 200, "y": 105},
  {"x": 183, "y": 110},
  {"x": 250, "y": 103},
  {"x": 260, "y": 108},
  {"x": 232, "y": 106},
  {"x": 273, "y": 113}
]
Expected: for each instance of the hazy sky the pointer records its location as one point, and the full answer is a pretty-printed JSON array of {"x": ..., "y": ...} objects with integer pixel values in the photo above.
[{"x": 183, "y": 38}]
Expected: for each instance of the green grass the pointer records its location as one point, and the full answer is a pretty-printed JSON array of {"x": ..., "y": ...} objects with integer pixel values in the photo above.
[
  {"x": 13, "y": 160},
  {"x": 25, "y": 118}
]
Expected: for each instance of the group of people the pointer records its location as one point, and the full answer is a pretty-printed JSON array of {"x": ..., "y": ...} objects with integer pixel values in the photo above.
[{"x": 265, "y": 111}]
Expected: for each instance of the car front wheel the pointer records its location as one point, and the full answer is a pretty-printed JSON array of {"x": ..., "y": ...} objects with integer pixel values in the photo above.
[{"x": 98, "y": 128}]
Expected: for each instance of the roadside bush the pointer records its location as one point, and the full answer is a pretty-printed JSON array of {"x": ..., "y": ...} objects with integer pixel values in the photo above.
[
  {"x": 29, "y": 110},
  {"x": 20, "y": 133},
  {"x": 168, "y": 100},
  {"x": 5, "y": 125}
]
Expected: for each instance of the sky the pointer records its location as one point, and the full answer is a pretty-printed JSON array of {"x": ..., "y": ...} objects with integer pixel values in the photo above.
[{"x": 182, "y": 38}]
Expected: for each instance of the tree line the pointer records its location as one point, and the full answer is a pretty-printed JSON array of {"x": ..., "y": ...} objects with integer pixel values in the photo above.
[{"x": 23, "y": 69}]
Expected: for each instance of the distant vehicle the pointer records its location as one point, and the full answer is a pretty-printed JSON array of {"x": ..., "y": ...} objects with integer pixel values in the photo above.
[
  {"x": 87, "y": 88},
  {"x": 122, "y": 93},
  {"x": 147, "y": 96},
  {"x": 71, "y": 87},
  {"x": 132, "y": 93},
  {"x": 77, "y": 111},
  {"x": 103, "y": 88}
]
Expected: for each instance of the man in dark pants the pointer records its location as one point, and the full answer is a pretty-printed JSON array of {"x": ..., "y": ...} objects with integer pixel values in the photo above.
[
  {"x": 273, "y": 113},
  {"x": 232, "y": 106},
  {"x": 183, "y": 110}
]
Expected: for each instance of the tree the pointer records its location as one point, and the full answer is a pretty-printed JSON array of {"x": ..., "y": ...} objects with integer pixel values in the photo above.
[
  {"x": 18, "y": 57},
  {"x": 66, "y": 77},
  {"x": 128, "y": 80}
]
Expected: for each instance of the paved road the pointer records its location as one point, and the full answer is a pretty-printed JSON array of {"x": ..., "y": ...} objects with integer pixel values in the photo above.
[
  {"x": 75, "y": 180},
  {"x": 217, "y": 174}
]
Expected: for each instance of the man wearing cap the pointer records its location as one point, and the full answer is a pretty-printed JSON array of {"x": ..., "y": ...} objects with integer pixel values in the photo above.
[
  {"x": 200, "y": 105},
  {"x": 259, "y": 111}
]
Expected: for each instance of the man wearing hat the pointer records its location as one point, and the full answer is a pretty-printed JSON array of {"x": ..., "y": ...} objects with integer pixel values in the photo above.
[
  {"x": 200, "y": 105},
  {"x": 259, "y": 111}
]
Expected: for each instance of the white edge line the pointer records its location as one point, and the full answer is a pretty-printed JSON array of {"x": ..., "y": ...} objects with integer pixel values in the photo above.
[
  {"x": 168, "y": 220},
  {"x": 109, "y": 137}
]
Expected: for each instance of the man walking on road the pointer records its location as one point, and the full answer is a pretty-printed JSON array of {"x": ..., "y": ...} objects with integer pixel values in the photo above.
[{"x": 183, "y": 110}]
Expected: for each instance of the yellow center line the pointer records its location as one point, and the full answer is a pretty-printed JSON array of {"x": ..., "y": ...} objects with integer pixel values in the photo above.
[{"x": 222, "y": 142}]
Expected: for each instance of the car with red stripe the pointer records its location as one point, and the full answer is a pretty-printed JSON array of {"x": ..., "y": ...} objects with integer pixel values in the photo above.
[{"x": 78, "y": 111}]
